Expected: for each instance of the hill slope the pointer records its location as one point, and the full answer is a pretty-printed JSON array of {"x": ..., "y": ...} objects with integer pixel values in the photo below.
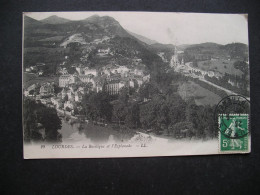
[
  {"x": 84, "y": 41},
  {"x": 54, "y": 20},
  {"x": 142, "y": 38}
]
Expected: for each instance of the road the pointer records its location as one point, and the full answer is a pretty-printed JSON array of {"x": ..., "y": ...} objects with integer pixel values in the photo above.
[{"x": 229, "y": 92}]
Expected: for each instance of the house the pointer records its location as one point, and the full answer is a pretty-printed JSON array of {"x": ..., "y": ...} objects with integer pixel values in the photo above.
[
  {"x": 103, "y": 51},
  {"x": 113, "y": 77},
  {"x": 88, "y": 71},
  {"x": 97, "y": 41},
  {"x": 131, "y": 83},
  {"x": 80, "y": 70},
  {"x": 32, "y": 87},
  {"x": 78, "y": 96},
  {"x": 120, "y": 70},
  {"x": 211, "y": 74},
  {"x": 46, "y": 89},
  {"x": 40, "y": 73},
  {"x": 34, "y": 68},
  {"x": 146, "y": 78},
  {"x": 139, "y": 80},
  {"x": 63, "y": 71},
  {"x": 68, "y": 104},
  {"x": 99, "y": 87},
  {"x": 63, "y": 93},
  {"x": 39, "y": 64},
  {"x": 81, "y": 90},
  {"x": 56, "y": 102},
  {"x": 137, "y": 60},
  {"x": 71, "y": 95},
  {"x": 27, "y": 69},
  {"x": 138, "y": 72}
]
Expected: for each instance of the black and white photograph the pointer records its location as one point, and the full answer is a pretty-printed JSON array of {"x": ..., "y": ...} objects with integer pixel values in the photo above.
[{"x": 135, "y": 84}]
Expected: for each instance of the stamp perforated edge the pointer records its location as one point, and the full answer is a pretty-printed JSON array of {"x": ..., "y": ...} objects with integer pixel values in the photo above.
[{"x": 248, "y": 136}]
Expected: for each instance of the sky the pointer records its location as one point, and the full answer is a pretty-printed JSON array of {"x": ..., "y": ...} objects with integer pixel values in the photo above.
[{"x": 172, "y": 28}]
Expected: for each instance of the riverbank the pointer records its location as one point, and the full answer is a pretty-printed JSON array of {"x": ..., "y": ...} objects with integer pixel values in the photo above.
[{"x": 75, "y": 131}]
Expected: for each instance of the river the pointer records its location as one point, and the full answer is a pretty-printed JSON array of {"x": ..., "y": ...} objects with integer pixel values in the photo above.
[{"x": 84, "y": 132}]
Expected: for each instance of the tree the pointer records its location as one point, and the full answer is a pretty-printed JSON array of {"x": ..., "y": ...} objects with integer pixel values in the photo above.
[
  {"x": 51, "y": 122},
  {"x": 67, "y": 109},
  {"x": 31, "y": 92},
  {"x": 132, "y": 118},
  {"x": 36, "y": 114},
  {"x": 120, "y": 112},
  {"x": 124, "y": 95},
  {"x": 195, "y": 63},
  {"x": 148, "y": 90},
  {"x": 97, "y": 105},
  {"x": 182, "y": 130}
]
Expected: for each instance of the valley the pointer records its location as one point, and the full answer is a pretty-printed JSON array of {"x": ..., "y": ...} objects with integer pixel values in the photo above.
[{"x": 95, "y": 71}]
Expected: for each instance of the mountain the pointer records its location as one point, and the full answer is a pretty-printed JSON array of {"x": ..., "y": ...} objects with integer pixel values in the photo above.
[
  {"x": 159, "y": 47},
  {"x": 142, "y": 38},
  {"x": 229, "y": 51},
  {"x": 28, "y": 22},
  {"x": 183, "y": 46},
  {"x": 83, "y": 42},
  {"x": 54, "y": 20}
]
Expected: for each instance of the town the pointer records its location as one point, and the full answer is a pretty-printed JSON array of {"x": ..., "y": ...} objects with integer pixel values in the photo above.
[{"x": 110, "y": 79}]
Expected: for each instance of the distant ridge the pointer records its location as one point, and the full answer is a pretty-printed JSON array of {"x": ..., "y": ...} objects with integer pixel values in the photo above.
[
  {"x": 55, "y": 20},
  {"x": 142, "y": 38},
  {"x": 28, "y": 21}
]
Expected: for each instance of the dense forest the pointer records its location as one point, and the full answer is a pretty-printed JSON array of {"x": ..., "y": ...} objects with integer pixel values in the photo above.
[
  {"x": 41, "y": 123},
  {"x": 163, "y": 110}
]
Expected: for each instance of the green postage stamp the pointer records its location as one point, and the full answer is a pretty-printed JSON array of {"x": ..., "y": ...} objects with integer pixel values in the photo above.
[{"x": 233, "y": 133}]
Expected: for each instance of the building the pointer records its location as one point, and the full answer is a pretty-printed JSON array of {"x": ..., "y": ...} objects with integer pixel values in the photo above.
[
  {"x": 89, "y": 71},
  {"x": 87, "y": 79},
  {"x": 63, "y": 71},
  {"x": 104, "y": 51},
  {"x": 211, "y": 74},
  {"x": 139, "y": 80},
  {"x": 56, "y": 102},
  {"x": 113, "y": 77},
  {"x": 71, "y": 95},
  {"x": 137, "y": 60},
  {"x": 27, "y": 69},
  {"x": 40, "y": 73},
  {"x": 68, "y": 104},
  {"x": 78, "y": 96},
  {"x": 146, "y": 78},
  {"x": 175, "y": 61},
  {"x": 63, "y": 93},
  {"x": 80, "y": 70},
  {"x": 46, "y": 89},
  {"x": 113, "y": 87},
  {"x": 138, "y": 72},
  {"x": 120, "y": 70},
  {"x": 202, "y": 57},
  {"x": 65, "y": 80}
]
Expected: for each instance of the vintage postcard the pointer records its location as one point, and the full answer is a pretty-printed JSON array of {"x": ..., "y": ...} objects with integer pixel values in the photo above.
[{"x": 135, "y": 84}]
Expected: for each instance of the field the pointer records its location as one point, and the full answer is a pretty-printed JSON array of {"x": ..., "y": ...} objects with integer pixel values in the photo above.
[
  {"x": 201, "y": 95},
  {"x": 29, "y": 79},
  {"x": 54, "y": 39},
  {"x": 221, "y": 66}
]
